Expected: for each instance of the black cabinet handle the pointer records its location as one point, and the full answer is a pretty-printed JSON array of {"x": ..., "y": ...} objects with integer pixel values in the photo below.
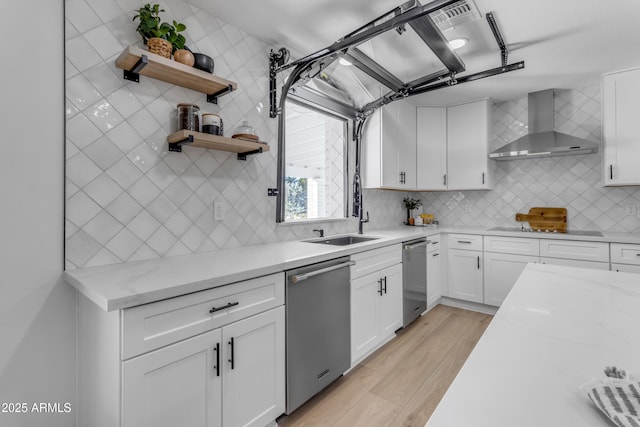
[
  {"x": 436, "y": 254},
  {"x": 478, "y": 262},
  {"x": 380, "y": 287},
  {"x": 610, "y": 171},
  {"x": 231, "y": 360},
  {"x": 231, "y": 304},
  {"x": 483, "y": 177},
  {"x": 444, "y": 179},
  {"x": 217, "y": 366},
  {"x": 385, "y": 284},
  {"x": 464, "y": 241}
]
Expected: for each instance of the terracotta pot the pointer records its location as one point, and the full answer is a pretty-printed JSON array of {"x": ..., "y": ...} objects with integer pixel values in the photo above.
[{"x": 184, "y": 57}]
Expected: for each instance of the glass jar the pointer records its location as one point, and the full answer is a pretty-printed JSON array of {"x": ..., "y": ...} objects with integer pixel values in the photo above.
[{"x": 189, "y": 117}]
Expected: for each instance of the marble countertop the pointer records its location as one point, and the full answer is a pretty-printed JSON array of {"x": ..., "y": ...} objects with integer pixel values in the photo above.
[
  {"x": 558, "y": 328},
  {"x": 119, "y": 286}
]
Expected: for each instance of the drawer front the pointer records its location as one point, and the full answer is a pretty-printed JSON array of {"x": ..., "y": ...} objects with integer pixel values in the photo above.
[
  {"x": 625, "y": 253},
  {"x": 155, "y": 325},
  {"x": 372, "y": 261},
  {"x": 512, "y": 245},
  {"x": 575, "y": 263},
  {"x": 433, "y": 243},
  {"x": 465, "y": 241},
  {"x": 585, "y": 251},
  {"x": 625, "y": 268}
]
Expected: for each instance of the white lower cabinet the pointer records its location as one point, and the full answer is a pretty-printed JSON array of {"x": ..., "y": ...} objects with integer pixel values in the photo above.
[
  {"x": 625, "y": 268},
  {"x": 500, "y": 274},
  {"x": 224, "y": 367},
  {"x": 434, "y": 271},
  {"x": 575, "y": 263},
  {"x": 465, "y": 275},
  {"x": 376, "y": 310}
]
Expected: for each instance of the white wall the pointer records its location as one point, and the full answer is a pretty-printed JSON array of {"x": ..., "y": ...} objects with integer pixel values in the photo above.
[{"x": 37, "y": 314}]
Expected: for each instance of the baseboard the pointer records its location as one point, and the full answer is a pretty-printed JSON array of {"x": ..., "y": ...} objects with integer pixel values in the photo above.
[{"x": 468, "y": 305}]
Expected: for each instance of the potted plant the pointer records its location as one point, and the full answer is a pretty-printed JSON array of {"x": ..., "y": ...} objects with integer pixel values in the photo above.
[
  {"x": 411, "y": 204},
  {"x": 161, "y": 38}
]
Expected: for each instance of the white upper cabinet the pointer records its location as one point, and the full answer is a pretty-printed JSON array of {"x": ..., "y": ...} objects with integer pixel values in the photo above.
[
  {"x": 453, "y": 147},
  {"x": 432, "y": 148},
  {"x": 621, "y": 103},
  {"x": 468, "y": 146},
  {"x": 389, "y": 147}
]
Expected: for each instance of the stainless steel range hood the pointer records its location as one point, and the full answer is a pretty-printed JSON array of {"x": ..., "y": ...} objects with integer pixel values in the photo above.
[{"x": 543, "y": 140}]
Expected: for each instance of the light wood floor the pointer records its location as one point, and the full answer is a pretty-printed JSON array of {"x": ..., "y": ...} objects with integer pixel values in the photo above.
[{"x": 402, "y": 383}]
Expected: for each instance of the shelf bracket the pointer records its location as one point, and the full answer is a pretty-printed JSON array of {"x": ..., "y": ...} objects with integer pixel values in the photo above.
[
  {"x": 243, "y": 156},
  {"x": 134, "y": 73},
  {"x": 213, "y": 97},
  {"x": 177, "y": 146}
]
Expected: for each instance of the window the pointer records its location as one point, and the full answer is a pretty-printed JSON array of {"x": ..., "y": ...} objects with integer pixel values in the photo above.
[{"x": 315, "y": 164}]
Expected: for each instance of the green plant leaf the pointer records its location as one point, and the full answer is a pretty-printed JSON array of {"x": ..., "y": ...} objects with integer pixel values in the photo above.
[{"x": 179, "y": 27}]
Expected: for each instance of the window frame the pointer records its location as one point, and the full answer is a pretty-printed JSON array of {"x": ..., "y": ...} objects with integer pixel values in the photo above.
[{"x": 281, "y": 201}]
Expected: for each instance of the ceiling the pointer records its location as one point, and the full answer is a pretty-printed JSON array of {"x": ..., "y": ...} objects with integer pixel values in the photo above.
[{"x": 565, "y": 43}]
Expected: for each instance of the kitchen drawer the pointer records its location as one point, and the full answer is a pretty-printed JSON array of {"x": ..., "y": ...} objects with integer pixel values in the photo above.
[
  {"x": 433, "y": 243},
  {"x": 512, "y": 245},
  {"x": 470, "y": 242},
  {"x": 625, "y": 253},
  {"x": 371, "y": 261},
  {"x": 625, "y": 268},
  {"x": 575, "y": 263},
  {"x": 568, "y": 249},
  {"x": 155, "y": 325}
]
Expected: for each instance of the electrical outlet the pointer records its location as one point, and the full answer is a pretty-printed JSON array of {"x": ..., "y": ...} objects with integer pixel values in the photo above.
[
  {"x": 630, "y": 209},
  {"x": 219, "y": 211}
]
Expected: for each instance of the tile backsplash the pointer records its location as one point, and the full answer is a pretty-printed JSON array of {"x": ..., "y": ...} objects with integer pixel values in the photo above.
[
  {"x": 574, "y": 182},
  {"x": 128, "y": 198}
]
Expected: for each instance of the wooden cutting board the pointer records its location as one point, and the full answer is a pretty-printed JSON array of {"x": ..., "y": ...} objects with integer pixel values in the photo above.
[{"x": 552, "y": 219}]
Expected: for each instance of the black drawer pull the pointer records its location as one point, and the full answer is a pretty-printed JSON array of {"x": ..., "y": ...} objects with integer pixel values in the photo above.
[
  {"x": 380, "y": 287},
  {"x": 464, "y": 241},
  {"x": 437, "y": 254},
  {"x": 217, "y": 367},
  {"x": 385, "y": 284},
  {"x": 231, "y": 343},
  {"x": 231, "y": 304}
]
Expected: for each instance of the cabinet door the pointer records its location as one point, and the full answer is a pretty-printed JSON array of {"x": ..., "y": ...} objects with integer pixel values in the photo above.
[
  {"x": 431, "y": 146},
  {"x": 365, "y": 292},
  {"x": 465, "y": 275},
  {"x": 621, "y": 103},
  {"x": 398, "y": 145},
  {"x": 500, "y": 274},
  {"x": 467, "y": 146},
  {"x": 177, "y": 385},
  {"x": 253, "y": 380},
  {"x": 434, "y": 281},
  {"x": 390, "y": 302}
]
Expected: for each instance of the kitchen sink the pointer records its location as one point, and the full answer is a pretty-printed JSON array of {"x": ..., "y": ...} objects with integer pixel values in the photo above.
[{"x": 342, "y": 240}]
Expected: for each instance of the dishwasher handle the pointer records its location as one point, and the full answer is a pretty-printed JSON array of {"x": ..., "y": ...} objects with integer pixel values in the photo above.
[
  {"x": 414, "y": 245},
  {"x": 305, "y": 276}
]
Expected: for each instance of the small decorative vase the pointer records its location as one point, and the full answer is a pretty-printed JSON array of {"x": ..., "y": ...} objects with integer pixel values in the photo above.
[
  {"x": 409, "y": 219},
  {"x": 185, "y": 57},
  {"x": 159, "y": 46}
]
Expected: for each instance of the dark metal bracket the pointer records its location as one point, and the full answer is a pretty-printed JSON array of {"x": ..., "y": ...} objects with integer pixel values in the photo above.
[
  {"x": 504, "y": 51},
  {"x": 134, "y": 73},
  {"x": 243, "y": 156},
  {"x": 177, "y": 146},
  {"x": 213, "y": 97}
]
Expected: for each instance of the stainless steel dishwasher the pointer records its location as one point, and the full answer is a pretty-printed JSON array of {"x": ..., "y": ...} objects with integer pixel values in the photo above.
[
  {"x": 414, "y": 279},
  {"x": 318, "y": 328}
]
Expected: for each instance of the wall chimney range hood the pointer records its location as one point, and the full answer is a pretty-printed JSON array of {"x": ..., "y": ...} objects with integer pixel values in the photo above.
[{"x": 543, "y": 140}]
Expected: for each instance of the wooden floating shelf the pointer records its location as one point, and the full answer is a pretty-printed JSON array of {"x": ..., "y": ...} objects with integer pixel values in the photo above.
[
  {"x": 204, "y": 140},
  {"x": 173, "y": 72}
]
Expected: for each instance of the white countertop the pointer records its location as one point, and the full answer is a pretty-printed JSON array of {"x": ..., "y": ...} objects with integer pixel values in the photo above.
[
  {"x": 120, "y": 286},
  {"x": 558, "y": 328}
]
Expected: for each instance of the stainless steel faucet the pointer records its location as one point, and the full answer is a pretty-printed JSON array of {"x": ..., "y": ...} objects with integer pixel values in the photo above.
[
  {"x": 321, "y": 231},
  {"x": 362, "y": 221}
]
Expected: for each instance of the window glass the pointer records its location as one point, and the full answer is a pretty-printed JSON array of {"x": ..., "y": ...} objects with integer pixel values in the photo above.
[{"x": 315, "y": 164}]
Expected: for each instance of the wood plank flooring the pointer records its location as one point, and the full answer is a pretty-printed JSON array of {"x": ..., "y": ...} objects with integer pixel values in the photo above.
[{"x": 402, "y": 383}]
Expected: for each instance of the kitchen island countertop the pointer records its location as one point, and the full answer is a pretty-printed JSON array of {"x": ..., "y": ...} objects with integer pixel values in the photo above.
[{"x": 557, "y": 329}]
